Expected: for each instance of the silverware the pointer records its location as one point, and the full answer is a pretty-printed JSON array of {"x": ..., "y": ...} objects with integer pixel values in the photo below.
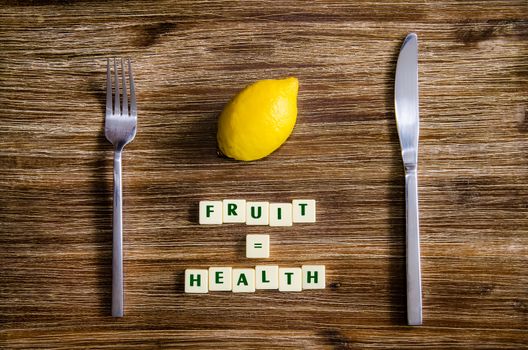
[
  {"x": 120, "y": 129},
  {"x": 407, "y": 120}
]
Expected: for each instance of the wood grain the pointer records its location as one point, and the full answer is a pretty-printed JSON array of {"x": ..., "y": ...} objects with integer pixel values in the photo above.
[{"x": 190, "y": 57}]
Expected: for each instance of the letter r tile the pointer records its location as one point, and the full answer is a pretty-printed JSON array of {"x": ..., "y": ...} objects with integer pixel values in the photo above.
[{"x": 234, "y": 210}]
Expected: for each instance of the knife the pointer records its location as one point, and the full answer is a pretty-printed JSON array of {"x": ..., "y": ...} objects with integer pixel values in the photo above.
[{"x": 407, "y": 121}]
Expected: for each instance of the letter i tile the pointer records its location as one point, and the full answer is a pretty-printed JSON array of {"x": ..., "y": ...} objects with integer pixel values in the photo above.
[{"x": 280, "y": 214}]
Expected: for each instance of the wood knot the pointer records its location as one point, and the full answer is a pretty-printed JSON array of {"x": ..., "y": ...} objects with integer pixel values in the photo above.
[
  {"x": 472, "y": 33},
  {"x": 336, "y": 339},
  {"x": 335, "y": 285},
  {"x": 486, "y": 289},
  {"x": 152, "y": 33},
  {"x": 520, "y": 305}
]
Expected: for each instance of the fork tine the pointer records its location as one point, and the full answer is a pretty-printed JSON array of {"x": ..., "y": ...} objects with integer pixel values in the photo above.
[
  {"x": 125, "y": 98},
  {"x": 117, "y": 110},
  {"x": 133, "y": 108},
  {"x": 108, "y": 88}
]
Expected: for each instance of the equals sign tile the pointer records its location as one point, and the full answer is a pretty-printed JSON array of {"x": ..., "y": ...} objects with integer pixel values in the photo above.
[{"x": 257, "y": 246}]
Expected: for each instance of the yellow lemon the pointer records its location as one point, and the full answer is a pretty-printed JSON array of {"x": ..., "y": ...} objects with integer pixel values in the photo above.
[{"x": 259, "y": 119}]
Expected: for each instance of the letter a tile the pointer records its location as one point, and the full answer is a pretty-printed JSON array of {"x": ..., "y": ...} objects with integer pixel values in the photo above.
[{"x": 243, "y": 280}]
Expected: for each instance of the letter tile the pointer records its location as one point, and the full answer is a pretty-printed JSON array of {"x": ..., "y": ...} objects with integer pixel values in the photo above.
[
  {"x": 234, "y": 210},
  {"x": 303, "y": 210},
  {"x": 267, "y": 277},
  {"x": 257, "y": 246},
  {"x": 290, "y": 279},
  {"x": 314, "y": 277},
  {"x": 280, "y": 214},
  {"x": 257, "y": 213},
  {"x": 211, "y": 212},
  {"x": 220, "y": 279},
  {"x": 196, "y": 281},
  {"x": 243, "y": 280}
]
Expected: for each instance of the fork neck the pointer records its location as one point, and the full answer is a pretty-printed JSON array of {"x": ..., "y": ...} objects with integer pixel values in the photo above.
[{"x": 118, "y": 148}]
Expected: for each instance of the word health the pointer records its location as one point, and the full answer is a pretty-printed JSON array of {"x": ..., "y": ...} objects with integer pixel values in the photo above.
[
  {"x": 248, "y": 280},
  {"x": 257, "y": 213}
]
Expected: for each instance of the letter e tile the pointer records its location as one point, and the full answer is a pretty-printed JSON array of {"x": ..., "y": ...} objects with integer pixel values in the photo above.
[{"x": 220, "y": 278}]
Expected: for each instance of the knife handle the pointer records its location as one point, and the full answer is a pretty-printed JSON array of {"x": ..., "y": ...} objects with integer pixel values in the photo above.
[{"x": 414, "y": 284}]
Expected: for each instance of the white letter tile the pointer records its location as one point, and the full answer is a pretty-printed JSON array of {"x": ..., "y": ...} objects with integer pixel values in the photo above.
[
  {"x": 220, "y": 279},
  {"x": 210, "y": 212},
  {"x": 303, "y": 210},
  {"x": 290, "y": 279},
  {"x": 267, "y": 277},
  {"x": 280, "y": 214},
  {"x": 243, "y": 280},
  {"x": 196, "y": 281},
  {"x": 314, "y": 276},
  {"x": 234, "y": 210},
  {"x": 257, "y": 213}
]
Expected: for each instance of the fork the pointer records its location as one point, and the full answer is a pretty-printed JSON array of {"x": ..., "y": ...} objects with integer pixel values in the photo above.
[{"x": 120, "y": 129}]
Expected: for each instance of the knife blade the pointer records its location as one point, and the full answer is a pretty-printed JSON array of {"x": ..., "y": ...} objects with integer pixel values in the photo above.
[{"x": 408, "y": 124}]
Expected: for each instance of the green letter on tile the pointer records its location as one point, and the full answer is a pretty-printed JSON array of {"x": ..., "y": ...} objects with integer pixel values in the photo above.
[
  {"x": 303, "y": 208},
  {"x": 196, "y": 279},
  {"x": 209, "y": 210},
  {"x": 310, "y": 277},
  {"x": 253, "y": 212},
  {"x": 219, "y": 277},
  {"x": 242, "y": 279},
  {"x": 231, "y": 209},
  {"x": 289, "y": 277},
  {"x": 264, "y": 280}
]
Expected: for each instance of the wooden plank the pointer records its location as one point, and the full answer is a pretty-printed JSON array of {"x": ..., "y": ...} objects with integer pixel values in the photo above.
[{"x": 190, "y": 58}]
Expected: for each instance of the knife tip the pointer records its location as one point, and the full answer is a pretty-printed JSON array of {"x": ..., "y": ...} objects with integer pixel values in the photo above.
[
  {"x": 411, "y": 36},
  {"x": 410, "y": 39}
]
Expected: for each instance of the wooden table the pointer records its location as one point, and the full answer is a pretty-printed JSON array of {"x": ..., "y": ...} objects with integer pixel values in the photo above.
[{"x": 190, "y": 58}]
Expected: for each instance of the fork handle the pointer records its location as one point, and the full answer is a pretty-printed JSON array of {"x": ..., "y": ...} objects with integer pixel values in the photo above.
[
  {"x": 414, "y": 284},
  {"x": 117, "y": 241}
]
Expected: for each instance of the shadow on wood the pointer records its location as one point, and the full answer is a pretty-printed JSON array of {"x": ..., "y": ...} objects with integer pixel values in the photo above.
[
  {"x": 397, "y": 207},
  {"x": 101, "y": 190}
]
